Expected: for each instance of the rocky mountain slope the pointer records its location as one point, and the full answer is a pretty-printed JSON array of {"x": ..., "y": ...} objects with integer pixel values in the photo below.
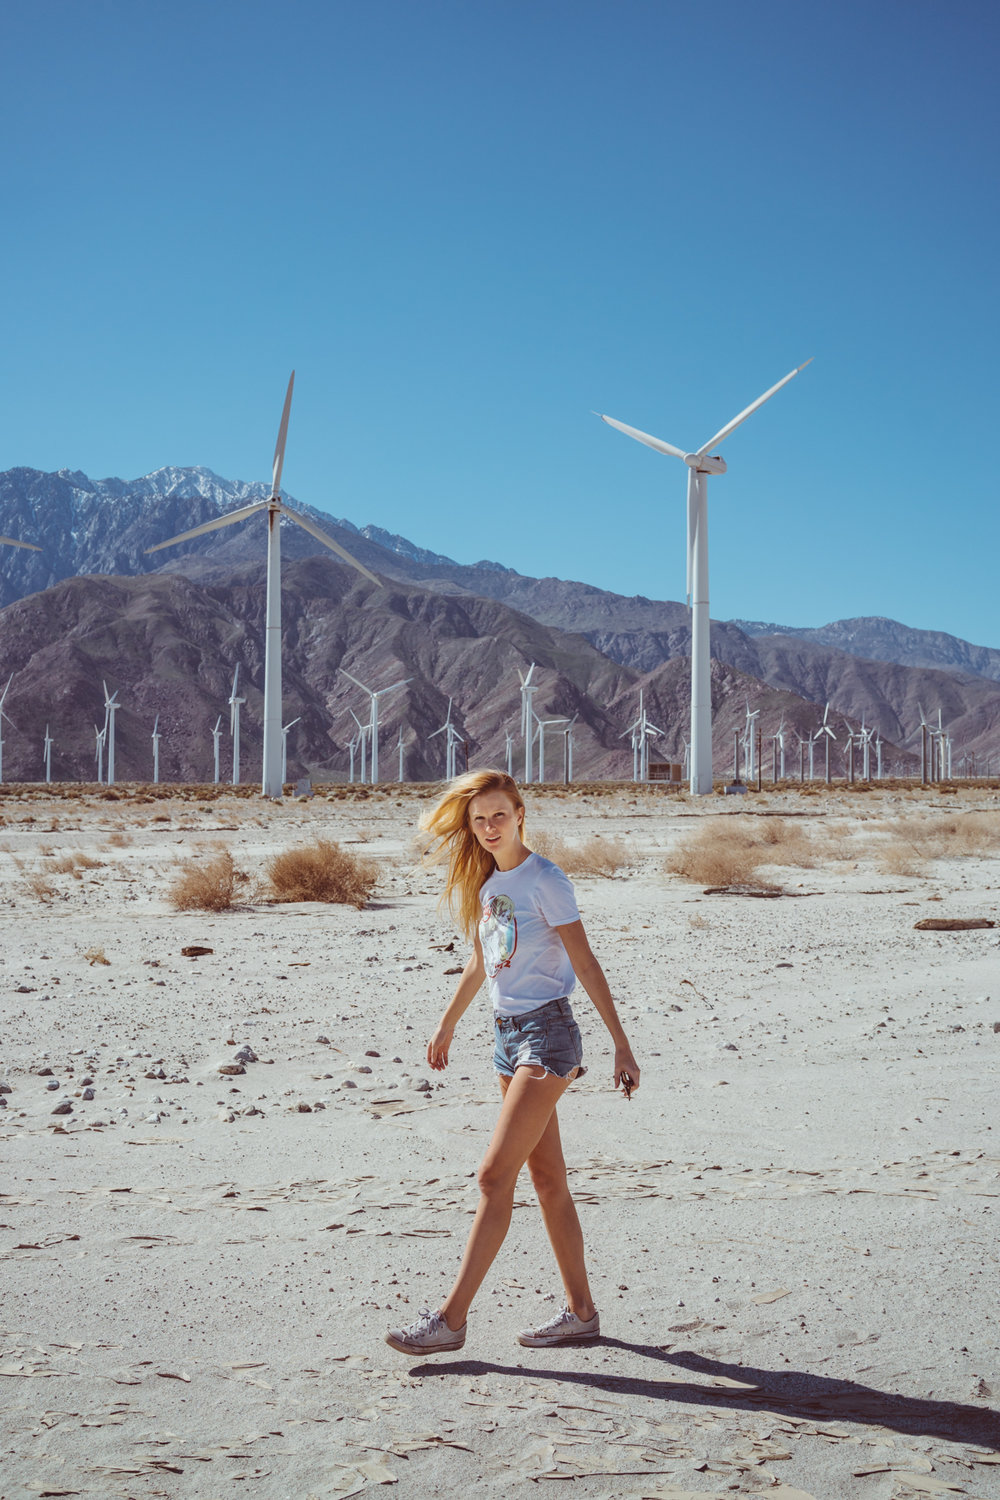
[
  {"x": 169, "y": 645},
  {"x": 876, "y": 670}
]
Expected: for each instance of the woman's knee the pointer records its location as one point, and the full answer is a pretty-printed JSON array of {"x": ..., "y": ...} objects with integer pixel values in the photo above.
[
  {"x": 495, "y": 1180},
  {"x": 548, "y": 1179}
]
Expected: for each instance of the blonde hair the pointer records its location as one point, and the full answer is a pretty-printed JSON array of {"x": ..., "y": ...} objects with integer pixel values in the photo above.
[{"x": 452, "y": 839}]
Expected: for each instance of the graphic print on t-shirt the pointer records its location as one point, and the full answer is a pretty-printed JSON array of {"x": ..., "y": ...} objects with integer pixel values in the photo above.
[{"x": 498, "y": 934}]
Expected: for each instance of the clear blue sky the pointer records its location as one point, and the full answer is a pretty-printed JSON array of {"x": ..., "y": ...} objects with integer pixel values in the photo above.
[{"x": 468, "y": 223}]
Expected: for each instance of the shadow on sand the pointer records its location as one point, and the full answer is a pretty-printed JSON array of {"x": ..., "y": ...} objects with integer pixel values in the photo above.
[{"x": 794, "y": 1393}]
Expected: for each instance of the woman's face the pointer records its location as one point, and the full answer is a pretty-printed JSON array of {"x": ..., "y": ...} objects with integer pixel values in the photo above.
[{"x": 496, "y": 823}]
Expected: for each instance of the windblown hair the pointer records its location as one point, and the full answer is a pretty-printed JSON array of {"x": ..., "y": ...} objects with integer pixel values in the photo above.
[{"x": 452, "y": 839}]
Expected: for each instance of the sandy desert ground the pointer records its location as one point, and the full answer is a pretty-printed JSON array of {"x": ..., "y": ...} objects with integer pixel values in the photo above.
[{"x": 792, "y": 1226}]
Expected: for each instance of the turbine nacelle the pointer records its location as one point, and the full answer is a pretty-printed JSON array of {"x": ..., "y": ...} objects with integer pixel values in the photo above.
[{"x": 705, "y": 463}]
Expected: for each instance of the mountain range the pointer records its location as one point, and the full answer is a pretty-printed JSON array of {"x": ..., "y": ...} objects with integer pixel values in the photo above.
[{"x": 168, "y": 630}]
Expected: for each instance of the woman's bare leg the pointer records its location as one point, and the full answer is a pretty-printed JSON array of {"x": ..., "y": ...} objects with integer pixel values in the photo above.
[
  {"x": 548, "y": 1173},
  {"x": 529, "y": 1101}
]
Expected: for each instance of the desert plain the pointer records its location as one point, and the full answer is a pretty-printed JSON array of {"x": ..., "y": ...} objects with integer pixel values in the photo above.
[{"x": 791, "y": 1226}]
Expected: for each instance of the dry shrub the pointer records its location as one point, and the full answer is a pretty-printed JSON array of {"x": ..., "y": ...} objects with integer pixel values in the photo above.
[
  {"x": 40, "y": 887},
  {"x": 913, "y": 841},
  {"x": 730, "y": 849},
  {"x": 119, "y": 840},
  {"x": 595, "y": 856},
  {"x": 96, "y": 956},
  {"x": 206, "y": 884},
  {"x": 66, "y": 865},
  {"x": 321, "y": 871},
  {"x": 88, "y": 862}
]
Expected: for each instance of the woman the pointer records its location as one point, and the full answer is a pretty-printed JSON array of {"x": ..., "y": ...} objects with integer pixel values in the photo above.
[{"x": 529, "y": 943}]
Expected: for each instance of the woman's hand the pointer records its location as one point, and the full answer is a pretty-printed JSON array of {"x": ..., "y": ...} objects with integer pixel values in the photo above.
[
  {"x": 437, "y": 1048},
  {"x": 626, "y": 1063}
]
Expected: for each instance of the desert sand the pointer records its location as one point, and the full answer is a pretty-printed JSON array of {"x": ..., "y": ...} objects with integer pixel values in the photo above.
[{"x": 791, "y": 1227}]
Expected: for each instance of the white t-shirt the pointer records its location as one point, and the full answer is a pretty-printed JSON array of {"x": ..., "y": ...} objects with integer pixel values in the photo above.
[{"x": 526, "y": 963}]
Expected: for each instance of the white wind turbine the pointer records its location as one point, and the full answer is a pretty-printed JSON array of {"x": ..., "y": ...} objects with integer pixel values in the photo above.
[
  {"x": 826, "y": 731},
  {"x": 700, "y": 465},
  {"x": 3, "y": 716},
  {"x": 452, "y": 738},
  {"x": 271, "y": 785},
  {"x": 375, "y": 696},
  {"x": 235, "y": 703},
  {"x": 216, "y": 736},
  {"x": 100, "y": 735},
  {"x": 284, "y": 746},
  {"x": 750, "y": 741},
  {"x": 156, "y": 751},
  {"x": 528, "y": 691},
  {"x": 400, "y": 747},
  {"x": 544, "y": 724},
  {"x": 568, "y": 750},
  {"x": 111, "y": 707},
  {"x": 47, "y": 750},
  {"x": 509, "y": 751},
  {"x": 359, "y": 741}
]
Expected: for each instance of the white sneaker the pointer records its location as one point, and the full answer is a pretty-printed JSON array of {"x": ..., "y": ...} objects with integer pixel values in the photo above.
[
  {"x": 429, "y": 1335},
  {"x": 564, "y": 1328}
]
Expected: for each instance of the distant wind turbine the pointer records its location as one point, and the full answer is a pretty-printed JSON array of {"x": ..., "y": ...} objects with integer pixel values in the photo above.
[
  {"x": 156, "y": 751},
  {"x": 509, "y": 751},
  {"x": 111, "y": 707},
  {"x": 100, "y": 735},
  {"x": 48, "y": 754},
  {"x": 234, "y": 725},
  {"x": 451, "y": 739},
  {"x": 271, "y": 784},
  {"x": 284, "y": 747},
  {"x": 528, "y": 691},
  {"x": 544, "y": 724},
  {"x": 4, "y": 716},
  {"x": 701, "y": 464},
  {"x": 216, "y": 736},
  {"x": 400, "y": 746},
  {"x": 359, "y": 740},
  {"x": 375, "y": 696},
  {"x": 825, "y": 730}
]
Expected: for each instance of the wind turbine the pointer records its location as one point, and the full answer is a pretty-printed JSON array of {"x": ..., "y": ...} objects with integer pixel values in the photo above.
[
  {"x": 375, "y": 696},
  {"x": 216, "y": 736},
  {"x": 111, "y": 707},
  {"x": 452, "y": 738},
  {"x": 4, "y": 715},
  {"x": 400, "y": 747},
  {"x": 48, "y": 754},
  {"x": 101, "y": 735},
  {"x": 509, "y": 751},
  {"x": 156, "y": 751},
  {"x": 359, "y": 740},
  {"x": 544, "y": 724},
  {"x": 284, "y": 747},
  {"x": 749, "y": 741},
  {"x": 234, "y": 725},
  {"x": 824, "y": 729},
  {"x": 271, "y": 785},
  {"x": 568, "y": 750},
  {"x": 528, "y": 691},
  {"x": 700, "y": 464}
]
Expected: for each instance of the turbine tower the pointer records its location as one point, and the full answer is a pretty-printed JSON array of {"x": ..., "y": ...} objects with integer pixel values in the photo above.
[
  {"x": 528, "y": 691},
  {"x": 3, "y": 716},
  {"x": 375, "y": 696},
  {"x": 216, "y": 736},
  {"x": 111, "y": 707},
  {"x": 234, "y": 725},
  {"x": 48, "y": 754},
  {"x": 400, "y": 746},
  {"x": 271, "y": 785},
  {"x": 100, "y": 735},
  {"x": 284, "y": 746},
  {"x": 700, "y": 464},
  {"x": 156, "y": 751}
]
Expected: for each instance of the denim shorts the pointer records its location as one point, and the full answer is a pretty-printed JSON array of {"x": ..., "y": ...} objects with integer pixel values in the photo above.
[{"x": 547, "y": 1037}]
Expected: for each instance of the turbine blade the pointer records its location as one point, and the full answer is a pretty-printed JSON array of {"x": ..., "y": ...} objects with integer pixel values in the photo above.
[
  {"x": 355, "y": 681},
  {"x": 749, "y": 410},
  {"x": 9, "y": 541},
  {"x": 644, "y": 437},
  {"x": 279, "y": 447},
  {"x": 401, "y": 683},
  {"x": 234, "y": 515},
  {"x": 328, "y": 541}
]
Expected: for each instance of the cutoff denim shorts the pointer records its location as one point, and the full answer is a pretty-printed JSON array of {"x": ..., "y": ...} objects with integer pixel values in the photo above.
[{"x": 547, "y": 1037}]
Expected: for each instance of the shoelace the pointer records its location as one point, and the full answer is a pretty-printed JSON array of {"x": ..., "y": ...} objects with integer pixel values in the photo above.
[
  {"x": 563, "y": 1316},
  {"x": 426, "y": 1323}
]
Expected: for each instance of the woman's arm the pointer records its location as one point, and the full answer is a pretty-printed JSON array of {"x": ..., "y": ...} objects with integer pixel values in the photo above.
[
  {"x": 465, "y": 992},
  {"x": 591, "y": 976}
]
